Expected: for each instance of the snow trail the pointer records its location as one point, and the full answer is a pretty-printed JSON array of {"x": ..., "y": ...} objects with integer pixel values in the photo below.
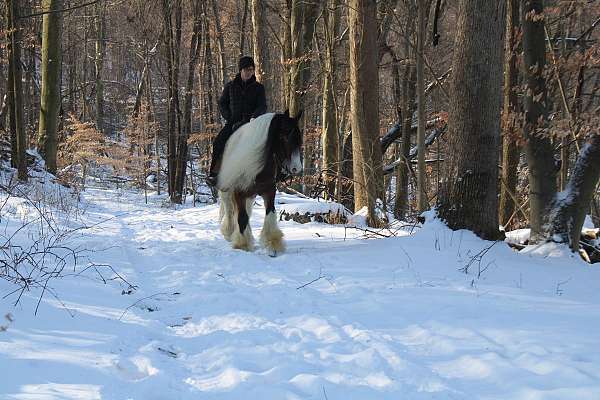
[{"x": 382, "y": 319}]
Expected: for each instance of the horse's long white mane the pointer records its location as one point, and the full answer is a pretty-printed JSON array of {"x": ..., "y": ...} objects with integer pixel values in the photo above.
[{"x": 244, "y": 154}]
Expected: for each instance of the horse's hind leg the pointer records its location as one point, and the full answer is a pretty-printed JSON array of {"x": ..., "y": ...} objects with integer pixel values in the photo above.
[
  {"x": 227, "y": 214},
  {"x": 242, "y": 235},
  {"x": 271, "y": 237}
]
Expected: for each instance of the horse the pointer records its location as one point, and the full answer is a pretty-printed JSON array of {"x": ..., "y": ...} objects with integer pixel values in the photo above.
[{"x": 258, "y": 155}]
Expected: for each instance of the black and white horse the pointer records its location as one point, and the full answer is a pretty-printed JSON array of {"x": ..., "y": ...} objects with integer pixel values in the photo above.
[{"x": 256, "y": 156}]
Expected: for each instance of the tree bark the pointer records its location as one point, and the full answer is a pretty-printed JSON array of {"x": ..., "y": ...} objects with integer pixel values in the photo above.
[
  {"x": 99, "y": 64},
  {"x": 243, "y": 29},
  {"x": 329, "y": 131},
  {"x": 510, "y": 149},
  {"x": 182, "y": 145},
  {"x": 220, "y": 43},
  {"x": 469, "y": 197},
  {"x": 364, "y": 105},
  {"x": 571, "y": 205},
  {"x": 401, "y": 205},
  {"x": 15, "y": 74},
  {"x": 172, "y": 39},
  {"x": 50, "y": 96},
  {"x": 302, "y": 22},
  {"x": 538, "y": 147},
  {"x": 422, "y": 203},
  {"x": 261, "y": 49}
]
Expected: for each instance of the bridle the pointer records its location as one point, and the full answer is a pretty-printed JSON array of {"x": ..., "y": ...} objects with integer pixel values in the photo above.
[{"x": 282, "y": 172}]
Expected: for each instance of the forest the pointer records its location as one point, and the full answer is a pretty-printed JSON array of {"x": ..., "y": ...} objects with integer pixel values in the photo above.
[
  {"x": 135, "y": 85},
  {"x": 425, "y": 181}
]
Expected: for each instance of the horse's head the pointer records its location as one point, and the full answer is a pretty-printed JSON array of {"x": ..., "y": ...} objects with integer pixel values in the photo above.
[{"x": 290, "y": 139}]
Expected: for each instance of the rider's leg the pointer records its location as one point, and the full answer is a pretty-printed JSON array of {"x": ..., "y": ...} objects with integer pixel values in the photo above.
[{"x": 218, "y": 150}]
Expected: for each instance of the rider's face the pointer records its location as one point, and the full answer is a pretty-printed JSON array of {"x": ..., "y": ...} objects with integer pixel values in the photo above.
[{"x": 247, "y": 73}]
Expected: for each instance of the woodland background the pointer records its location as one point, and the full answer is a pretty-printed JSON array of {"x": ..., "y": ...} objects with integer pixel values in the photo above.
[{"x": 502, "y": 97}]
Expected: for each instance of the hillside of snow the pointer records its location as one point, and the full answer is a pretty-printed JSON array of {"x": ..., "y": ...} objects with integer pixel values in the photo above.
[{"x": 157, "y": 306}]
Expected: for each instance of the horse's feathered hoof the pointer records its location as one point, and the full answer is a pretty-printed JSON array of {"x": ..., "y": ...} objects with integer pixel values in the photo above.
[
  {"x": 272, "y": 253},
  {"x": 242, "y": 242}
]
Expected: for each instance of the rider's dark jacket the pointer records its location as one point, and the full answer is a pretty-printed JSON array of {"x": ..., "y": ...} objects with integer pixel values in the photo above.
[{"x": 241, "y": 100}]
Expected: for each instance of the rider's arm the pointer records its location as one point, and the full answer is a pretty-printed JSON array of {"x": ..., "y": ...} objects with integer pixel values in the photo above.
[
  {"x": 261, "y": 102},
  {"x": 224, "y": 103}
]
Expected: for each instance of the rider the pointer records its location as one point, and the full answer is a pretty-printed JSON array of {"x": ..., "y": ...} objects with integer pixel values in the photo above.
[{"x": 243, "y": 99}]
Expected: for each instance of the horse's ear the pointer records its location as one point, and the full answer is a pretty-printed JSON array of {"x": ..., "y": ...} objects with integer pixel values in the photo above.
[
  {"x": 297, "y": 117},
  {"x": 287, "y": 113}
]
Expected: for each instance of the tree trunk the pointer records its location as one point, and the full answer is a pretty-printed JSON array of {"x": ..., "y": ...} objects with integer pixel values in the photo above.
[
  {"x": 422, "y": 203},
  {"x": 50, "y": 96},
  {"x": 302, "y": 20},
  {"x": 510, "y": 149},
  {"x": 538, "y": 147},
  {"x": 329, "y": 131},
  {"x": 140, "y": 89},
  {"x": 261, "y": 48},
  {"x": 220, "y": 43},
  {"x": 172, "y": 42},
  {"x": 99, "y": 64},
  {"x": 286, "y": 54},
  {"x": 182, "y": 145},
  {"x": 15, "y": 73},
  {"x": 573, "y": 203},
  {"x": 210, "y": 108},
  {"x": 469, "y": 197},
  {"x": 243, "y": 32},
  {"x": 364, "y": 104},
  {"x": 401, "y": 205}
]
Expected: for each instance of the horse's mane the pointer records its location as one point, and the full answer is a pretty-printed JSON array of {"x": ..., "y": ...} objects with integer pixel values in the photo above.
[{"x": 245, "y": 153}]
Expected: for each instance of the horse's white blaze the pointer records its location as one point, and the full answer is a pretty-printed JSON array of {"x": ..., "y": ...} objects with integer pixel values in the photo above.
[
  {"x": 294, "y": 164},
  {"x": 244, "y": 154}
]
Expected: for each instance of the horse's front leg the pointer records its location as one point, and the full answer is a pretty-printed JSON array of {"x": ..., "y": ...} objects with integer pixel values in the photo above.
[
  {"x": 271, "y": 237},
  {"x": 242, "y": 236},
  {"x": 227, "y": 215}
]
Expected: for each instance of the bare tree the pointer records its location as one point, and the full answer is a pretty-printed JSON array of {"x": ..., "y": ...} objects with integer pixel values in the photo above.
[
  {"x": 329, "y": 134},
  {"x": 538, "y": 147},
  {"x": 19, "y": 142},
  {"x": 364, "y": 105},
  {"x": 50, "y": 96},
  {"x": 510, "y": 149},
  {"x": 571, "y": 205},
  {"x": 469, "y": 196},
  {"x": 99, "y": 63}
]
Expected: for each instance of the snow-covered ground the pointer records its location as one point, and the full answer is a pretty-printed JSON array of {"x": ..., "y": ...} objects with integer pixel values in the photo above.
[{"x": 338, "y": 316}]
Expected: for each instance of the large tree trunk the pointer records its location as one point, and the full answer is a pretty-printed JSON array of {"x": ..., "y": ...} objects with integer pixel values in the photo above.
[
  {"x": 182, "y": 145},
  {"x": 220, "y": 43},
  {"x": 538, "y": 148},
  {"x": 50, "y": 96},
  {"x": 302, "y": 22},
  {"x": 329, "y": 133},
  {"x": 422, "y": 203},
  {"x": 364, "y": 105},
  {"x": 261, "y": 49},
  {"x": 243, "y": 32},
  {"x": 469, "y": 197},
  {"x": 510, "y": 149},
  {"x": 172, "y": 41},
  {"x": 19, "y": 141},
  {"x": 573, "y": 203},
  {"x": 401, "y": 205},
  {"x": 99, "y": 63},
  {"x": 407, "y": 104}
]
